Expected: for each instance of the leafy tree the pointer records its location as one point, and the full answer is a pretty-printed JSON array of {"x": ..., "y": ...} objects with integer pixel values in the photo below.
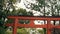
[
  {"x": 5, "y": 6},
  {"x": 46, "y": 7}
]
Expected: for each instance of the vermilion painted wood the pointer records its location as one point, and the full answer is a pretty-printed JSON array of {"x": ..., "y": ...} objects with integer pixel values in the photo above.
[
  {"x": 34, "y": 18},
  {"x": 48, "y": 26},
  {"x": 15, "y": 26}
]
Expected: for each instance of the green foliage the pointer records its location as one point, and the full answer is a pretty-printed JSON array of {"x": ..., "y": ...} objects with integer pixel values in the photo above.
[
  {"x": 20, "y": 12},
  {"x": 45, "y": 7},
  {"x": 3, "y": 16},
  {"x": 10, "y": 21},
  {"x": 23, "y": 12},
  {"x": 1, "y": 22},
  {"x": 2, "y": 30},
  {"x": 22, "y": 31},
  {"x": 41, "y": 1},
  {"x": 24, "y": 21},
  {"x": 41, "y": 31},
  {"x": 13, "y": 1}
]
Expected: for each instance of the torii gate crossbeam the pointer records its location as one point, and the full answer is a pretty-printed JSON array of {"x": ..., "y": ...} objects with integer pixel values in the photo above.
[{"x": 48, "y": 26}]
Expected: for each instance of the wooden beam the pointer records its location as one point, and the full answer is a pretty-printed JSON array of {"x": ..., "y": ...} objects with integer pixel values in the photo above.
[{"x": 34, "y": 18}]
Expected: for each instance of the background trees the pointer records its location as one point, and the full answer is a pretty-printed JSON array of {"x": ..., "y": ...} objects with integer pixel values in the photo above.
[{"x": 44, "y": 7}]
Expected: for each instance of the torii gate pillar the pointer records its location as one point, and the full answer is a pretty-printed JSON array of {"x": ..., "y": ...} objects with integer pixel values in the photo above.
[{"x": 15, "y": 27}]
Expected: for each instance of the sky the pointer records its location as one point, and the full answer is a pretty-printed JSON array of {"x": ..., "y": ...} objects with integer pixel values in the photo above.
[{"x": 21, "y": 5}]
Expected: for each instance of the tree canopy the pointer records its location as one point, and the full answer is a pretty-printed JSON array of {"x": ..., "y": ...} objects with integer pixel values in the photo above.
[{"x": 46, "y": 7}]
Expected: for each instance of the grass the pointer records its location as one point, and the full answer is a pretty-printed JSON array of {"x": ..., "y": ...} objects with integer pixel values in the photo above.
[
  {"x": 8, "y": 32},
  {"x": 22, "y": 31},
  {"x": 19, "y": 31}
]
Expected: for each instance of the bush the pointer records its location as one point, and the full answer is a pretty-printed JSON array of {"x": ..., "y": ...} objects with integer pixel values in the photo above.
[{"x": 22, "y": 31}]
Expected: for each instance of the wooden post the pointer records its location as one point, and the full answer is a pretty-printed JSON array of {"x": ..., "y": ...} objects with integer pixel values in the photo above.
[
  {"x": 48, "y": 27},
  {"x": 15, "y": 26},
  {"x": 31, "y": 23}
]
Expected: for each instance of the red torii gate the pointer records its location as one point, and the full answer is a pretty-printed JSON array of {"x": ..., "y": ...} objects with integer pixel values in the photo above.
[{"x": 48, "y": 26}]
